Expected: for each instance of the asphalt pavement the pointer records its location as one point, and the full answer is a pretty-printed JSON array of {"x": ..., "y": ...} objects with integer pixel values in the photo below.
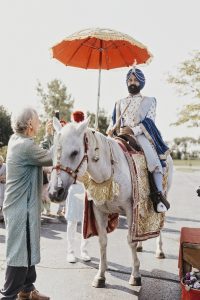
[{"x": 62, "y": 280}]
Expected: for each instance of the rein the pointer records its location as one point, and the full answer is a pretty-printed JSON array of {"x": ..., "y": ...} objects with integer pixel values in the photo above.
[{"x": 58, "y": 167}]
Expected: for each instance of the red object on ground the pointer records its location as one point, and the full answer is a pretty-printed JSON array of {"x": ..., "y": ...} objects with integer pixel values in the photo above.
[
  {"x": 189, "y": 256},
  {"x": 192, "y": 294},
  {"x": 189, "y": 246}
]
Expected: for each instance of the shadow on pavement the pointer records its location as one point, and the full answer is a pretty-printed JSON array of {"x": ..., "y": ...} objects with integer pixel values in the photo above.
[
  {"x": 51, "y": 228},
  {"x": 156, "y": 285},
  {"x": 169, "y": 230},
  {"x": 167, "y": 256},
  {"x": 122, "y": 288},
  {"x": 53, "y": 220},
  {"x": 155, "y": 289},
  {"x": 123, "y": 224},
  {"x": 116, "y": 269},
  {"x": 182, "y": 219}
]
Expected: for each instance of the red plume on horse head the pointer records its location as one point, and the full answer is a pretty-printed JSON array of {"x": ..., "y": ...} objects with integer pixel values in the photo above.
[{"x": 78, "y": 116}]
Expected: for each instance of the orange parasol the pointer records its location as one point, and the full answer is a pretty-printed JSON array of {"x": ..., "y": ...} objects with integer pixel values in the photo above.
[{"x": 100, "y": 48}]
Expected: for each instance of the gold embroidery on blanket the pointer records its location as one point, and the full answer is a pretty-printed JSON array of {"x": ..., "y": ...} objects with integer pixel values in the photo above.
[
  {"x": 100, "y": 192},
  {"x": 147, "y": 221}
]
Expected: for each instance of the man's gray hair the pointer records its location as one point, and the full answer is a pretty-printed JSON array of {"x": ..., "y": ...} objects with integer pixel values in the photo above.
[{"x": 20, "y": 120}]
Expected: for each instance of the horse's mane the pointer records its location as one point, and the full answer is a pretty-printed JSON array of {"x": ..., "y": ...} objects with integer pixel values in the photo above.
[
  {"x": 105, "y": 141},
  {"x": 96, "y": 136}
]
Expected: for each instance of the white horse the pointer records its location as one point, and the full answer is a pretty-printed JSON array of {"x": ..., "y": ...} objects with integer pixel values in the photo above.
[{"x": 78, "y": 149}]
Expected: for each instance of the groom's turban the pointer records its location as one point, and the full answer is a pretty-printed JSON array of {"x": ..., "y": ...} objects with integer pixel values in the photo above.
[{"x": 138, "y": 74}]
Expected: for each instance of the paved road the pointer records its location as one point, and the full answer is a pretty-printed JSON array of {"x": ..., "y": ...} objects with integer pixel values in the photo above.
[{"x": 63, "y": 281}]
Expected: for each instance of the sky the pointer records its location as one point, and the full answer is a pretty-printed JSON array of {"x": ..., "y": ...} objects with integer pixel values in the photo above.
[{"x": 29, "y": 28}]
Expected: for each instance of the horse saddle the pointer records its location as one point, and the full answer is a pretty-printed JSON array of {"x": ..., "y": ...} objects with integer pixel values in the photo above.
[{"x": 130, "y": 143}]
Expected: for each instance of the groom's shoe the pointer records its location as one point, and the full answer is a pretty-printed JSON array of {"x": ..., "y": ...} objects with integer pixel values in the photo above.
[
  {"x": 33, "y": 295},
  {"x": 161, "y": 207},
  {"x": 160, "y": 203},
  {"x": 163, "y": 199}
]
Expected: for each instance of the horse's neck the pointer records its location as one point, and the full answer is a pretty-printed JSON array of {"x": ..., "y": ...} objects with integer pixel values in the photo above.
[
  {"x": 101, "y": 169},
  {"x": 109, "y": 150}
]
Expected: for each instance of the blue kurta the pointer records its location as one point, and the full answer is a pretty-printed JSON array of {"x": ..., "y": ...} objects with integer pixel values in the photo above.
[{"x": 23, "y": 198}]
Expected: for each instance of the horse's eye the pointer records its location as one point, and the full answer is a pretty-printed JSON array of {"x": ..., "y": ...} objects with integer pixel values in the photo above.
[{"x": 73, "y": 154}]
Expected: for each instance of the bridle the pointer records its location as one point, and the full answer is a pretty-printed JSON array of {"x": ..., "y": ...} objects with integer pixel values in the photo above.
[{"x": 73, "y": 173}]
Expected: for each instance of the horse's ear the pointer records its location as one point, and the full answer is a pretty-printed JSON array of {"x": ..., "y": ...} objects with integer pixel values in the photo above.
[
  {"x": 56, "y": 124},
  {"x": 83, "y": 125}
]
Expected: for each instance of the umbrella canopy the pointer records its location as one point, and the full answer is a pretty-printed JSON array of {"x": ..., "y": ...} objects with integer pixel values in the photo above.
[{"x": 100, "y": 48}]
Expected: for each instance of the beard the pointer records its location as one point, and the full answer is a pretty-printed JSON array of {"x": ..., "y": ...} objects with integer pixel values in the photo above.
[{"x": 133, "y": 89}]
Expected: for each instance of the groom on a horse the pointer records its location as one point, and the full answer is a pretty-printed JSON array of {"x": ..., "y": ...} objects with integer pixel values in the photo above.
[{"x": 135, "y": 116}]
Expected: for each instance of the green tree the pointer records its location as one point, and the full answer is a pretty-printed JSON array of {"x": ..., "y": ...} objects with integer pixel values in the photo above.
[
  {"x": 55, "y": 98},
  {"x": 103, "y": 120},
  {"x": 5, "y": 126},
  {"x": 187, "y": 83},
  {"x": 182, "y": 145}
]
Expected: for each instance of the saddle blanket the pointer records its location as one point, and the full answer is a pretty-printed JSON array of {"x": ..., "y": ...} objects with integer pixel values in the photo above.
[{"x": 146, "y": 222}]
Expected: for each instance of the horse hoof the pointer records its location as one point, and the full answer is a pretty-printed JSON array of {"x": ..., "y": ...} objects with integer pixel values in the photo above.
[
  {"x": 139, "y": 249},
  {"x": 160, "y": 255},
  {"x": 99, "y": 282},
  {"x": 135, "y": 281}
]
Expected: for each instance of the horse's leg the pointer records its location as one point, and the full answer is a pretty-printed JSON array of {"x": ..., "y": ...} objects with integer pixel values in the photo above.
[
  {"x": 159, "y": 250},
  {"x": 139, "y": 246},
  {"x": 135, "y": 278},
  {"x": 102, "y": 221}
]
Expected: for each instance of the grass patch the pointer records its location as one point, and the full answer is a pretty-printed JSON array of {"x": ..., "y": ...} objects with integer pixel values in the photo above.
[
  {"x": 187, "y": 169},
  {"x": 187, "y": 163}
]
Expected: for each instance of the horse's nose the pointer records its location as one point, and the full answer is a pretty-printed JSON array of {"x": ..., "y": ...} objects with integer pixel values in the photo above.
[
  {"x": 58, "y": 194},
  {"x": 60, "y": 191}
]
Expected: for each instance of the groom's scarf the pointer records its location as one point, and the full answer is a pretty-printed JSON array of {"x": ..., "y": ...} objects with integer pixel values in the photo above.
[{"x": 153, "y": 134}]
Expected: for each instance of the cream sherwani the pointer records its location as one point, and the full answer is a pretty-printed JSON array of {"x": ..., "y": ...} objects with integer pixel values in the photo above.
[{"x": 138, "y": 108}]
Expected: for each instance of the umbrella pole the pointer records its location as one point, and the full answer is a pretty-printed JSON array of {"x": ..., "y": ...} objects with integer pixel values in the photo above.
[{"x": 98, "y": 98}]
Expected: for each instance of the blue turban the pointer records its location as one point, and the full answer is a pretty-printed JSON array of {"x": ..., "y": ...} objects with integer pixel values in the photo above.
[{"x": 138, "y": 74}]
